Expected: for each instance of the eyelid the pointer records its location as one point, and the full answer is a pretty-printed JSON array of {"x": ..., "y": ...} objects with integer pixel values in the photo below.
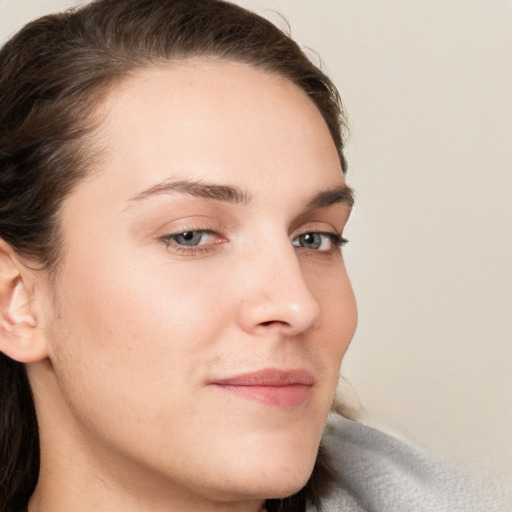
[
  {"x": 189, "y": 223},
  {"x": 317, "y": 227}
]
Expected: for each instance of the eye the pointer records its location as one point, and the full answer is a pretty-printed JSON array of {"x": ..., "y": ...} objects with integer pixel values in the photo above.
[
  {"x": 192, "y": 238},
  {"x": 318, "y": 241},
  {"x": 193, "y": 242}
]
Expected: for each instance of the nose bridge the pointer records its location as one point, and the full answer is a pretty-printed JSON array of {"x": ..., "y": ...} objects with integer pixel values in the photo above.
[{"x": 277, "y": 295}]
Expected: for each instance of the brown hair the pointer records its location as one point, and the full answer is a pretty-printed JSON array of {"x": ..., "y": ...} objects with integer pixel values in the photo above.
[{"x": 53, "y": 73}]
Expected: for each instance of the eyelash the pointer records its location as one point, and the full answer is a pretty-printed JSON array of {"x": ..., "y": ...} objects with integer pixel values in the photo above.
[{"x": 336, "y": 241}]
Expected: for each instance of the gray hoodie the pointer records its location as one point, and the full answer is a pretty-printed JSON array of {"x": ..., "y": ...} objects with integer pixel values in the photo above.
[{"x": 379, "y": 473}]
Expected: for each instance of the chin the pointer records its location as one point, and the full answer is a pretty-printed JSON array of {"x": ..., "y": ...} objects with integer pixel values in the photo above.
[
  {"x": 286, "y": 486},
  {"x": 264, "y": 487},
  {"x": 277, "y": 464},
  {"x": 277, "y": 474}
]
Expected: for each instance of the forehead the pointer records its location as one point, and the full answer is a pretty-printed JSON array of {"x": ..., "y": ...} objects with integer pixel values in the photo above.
[{"x": 205, "y": 120}]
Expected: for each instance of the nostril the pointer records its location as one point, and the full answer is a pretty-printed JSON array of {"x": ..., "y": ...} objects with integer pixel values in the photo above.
[{"x": 272, "y": 322}]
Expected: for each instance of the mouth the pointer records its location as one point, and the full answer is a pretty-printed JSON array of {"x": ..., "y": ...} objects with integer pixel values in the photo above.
[{"x": 283, "y": 389}]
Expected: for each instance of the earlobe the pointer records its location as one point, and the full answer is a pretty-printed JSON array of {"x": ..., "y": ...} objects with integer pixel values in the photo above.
[{"x": 21, "y": 336}]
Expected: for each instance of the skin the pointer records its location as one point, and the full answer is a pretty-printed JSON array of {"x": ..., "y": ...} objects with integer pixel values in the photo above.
[{"x": 139, "y": 325}]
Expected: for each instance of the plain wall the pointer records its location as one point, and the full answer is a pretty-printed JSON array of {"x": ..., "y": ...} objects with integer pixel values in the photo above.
[{"x": 427, "y": 87}]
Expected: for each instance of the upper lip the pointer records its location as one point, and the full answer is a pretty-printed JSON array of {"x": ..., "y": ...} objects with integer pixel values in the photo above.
[{"x": 269, "y": 377}]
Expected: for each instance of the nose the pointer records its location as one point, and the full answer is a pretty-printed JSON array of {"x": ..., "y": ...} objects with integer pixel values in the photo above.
[{"x": 276, "y": 295}]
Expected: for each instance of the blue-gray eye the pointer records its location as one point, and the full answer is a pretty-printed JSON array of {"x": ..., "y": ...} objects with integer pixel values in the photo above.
[
  {"x": 190, "y": 238},
  {"x": 311, "y": 240},
  {"x": 318, "y": 241}
]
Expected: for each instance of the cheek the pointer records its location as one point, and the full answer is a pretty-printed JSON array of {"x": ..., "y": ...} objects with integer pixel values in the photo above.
[
  {"x": 332, "y": 289},
  {"x": 342, "y": 310},
  {"x": 132, "y": 340}
]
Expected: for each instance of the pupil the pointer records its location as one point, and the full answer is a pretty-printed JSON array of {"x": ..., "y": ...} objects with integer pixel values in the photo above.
[
  {"x": 189, "y": 235},
  {"x": 312, "y": 240}
]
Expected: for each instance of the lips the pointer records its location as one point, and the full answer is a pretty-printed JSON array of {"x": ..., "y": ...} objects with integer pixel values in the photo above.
[{"x": 272, "y": 387}]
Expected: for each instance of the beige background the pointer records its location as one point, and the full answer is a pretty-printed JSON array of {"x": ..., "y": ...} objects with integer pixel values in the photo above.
[{"x": 427, "y": 86}]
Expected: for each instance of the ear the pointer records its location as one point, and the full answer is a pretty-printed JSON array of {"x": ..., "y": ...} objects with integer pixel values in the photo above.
[{"x": 21, "y": 336}]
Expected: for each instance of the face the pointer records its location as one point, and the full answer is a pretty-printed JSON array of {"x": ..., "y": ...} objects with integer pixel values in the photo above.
[{"x": 203, "y": 308}]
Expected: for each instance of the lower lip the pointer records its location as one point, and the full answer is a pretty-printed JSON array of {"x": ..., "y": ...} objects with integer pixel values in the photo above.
[{"x": 282, "y": 397}]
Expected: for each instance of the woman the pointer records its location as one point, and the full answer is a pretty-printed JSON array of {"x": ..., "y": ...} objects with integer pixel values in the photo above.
[{"x": 175, "y": 306}]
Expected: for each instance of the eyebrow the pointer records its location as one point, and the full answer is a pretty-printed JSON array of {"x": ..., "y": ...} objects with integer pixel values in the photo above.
[
  {"x": 229, "y": 194},
  {"x": 343, "y": 194},
  {"x": 224, "y": 193}
]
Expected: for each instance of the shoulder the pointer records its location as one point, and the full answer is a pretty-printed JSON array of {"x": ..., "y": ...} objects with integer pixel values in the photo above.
[{"x": 378, "y": 473}]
